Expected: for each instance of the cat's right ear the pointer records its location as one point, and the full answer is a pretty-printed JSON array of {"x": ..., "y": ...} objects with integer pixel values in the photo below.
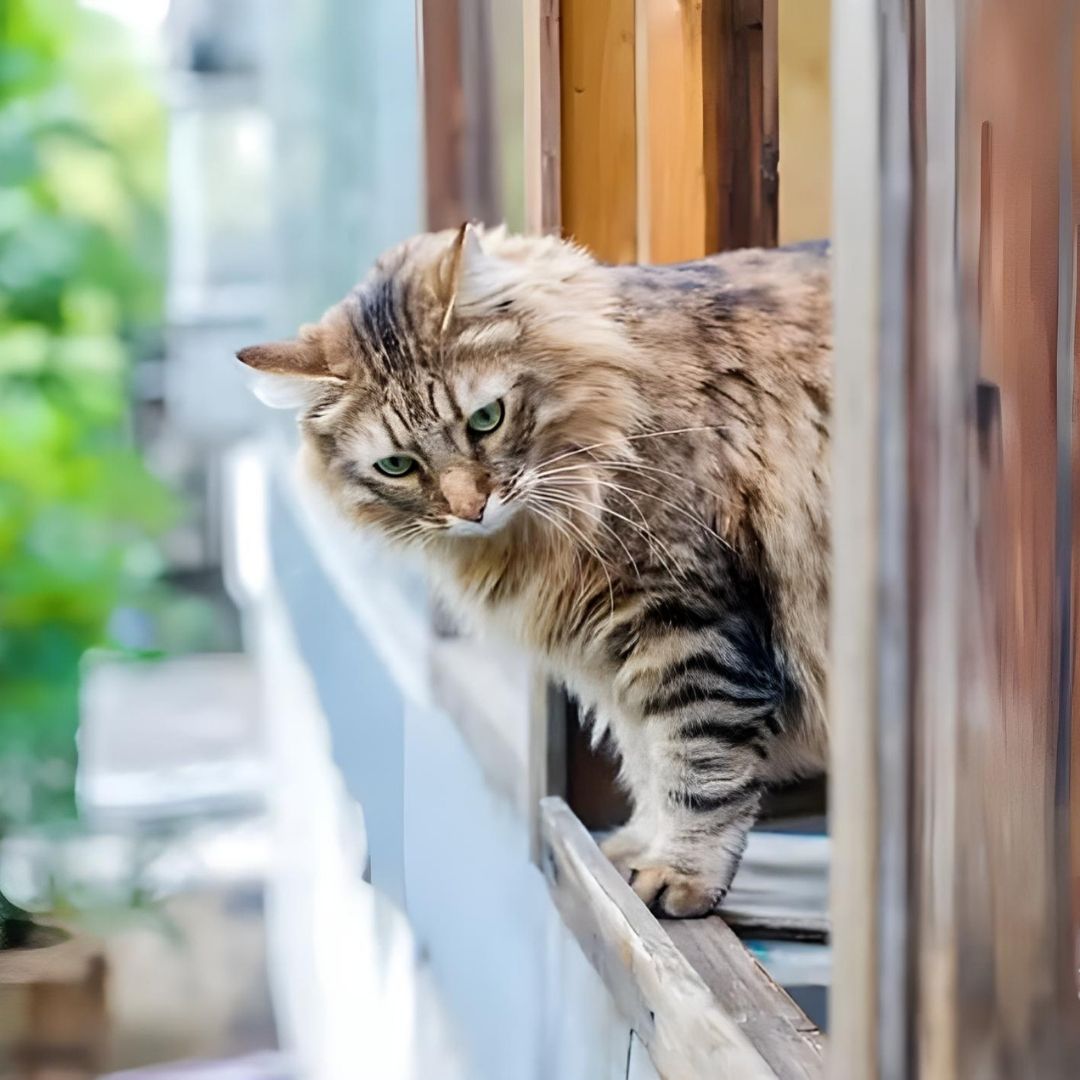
[{"x": 288, "y": 374}]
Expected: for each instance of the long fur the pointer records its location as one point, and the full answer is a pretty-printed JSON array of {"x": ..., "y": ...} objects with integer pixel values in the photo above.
[{"x": 662, "y": 469}]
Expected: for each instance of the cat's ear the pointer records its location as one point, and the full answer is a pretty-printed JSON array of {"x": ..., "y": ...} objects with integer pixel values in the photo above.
[
  {"x": 287, "y": 374},
  {"x": 480, "y": 282}
]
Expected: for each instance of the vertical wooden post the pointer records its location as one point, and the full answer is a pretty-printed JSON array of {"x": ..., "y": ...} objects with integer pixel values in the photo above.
[
  {"x": 543, "y": 117},
  {"x": 707, "y": 126},
  {"x": 460, "y": 143},
  {"x": 746, "y": 123},
  {"x": 599, "y": 157},
  {"x": 953, "y": 665}
]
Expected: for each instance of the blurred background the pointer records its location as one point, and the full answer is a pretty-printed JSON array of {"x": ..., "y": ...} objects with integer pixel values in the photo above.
[{"x": 141, "y": 838}]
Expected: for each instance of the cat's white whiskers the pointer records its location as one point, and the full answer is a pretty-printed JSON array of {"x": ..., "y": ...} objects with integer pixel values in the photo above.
[
  {"x": 646, "y": 495},
  {"x": 618, "y": 539},
  {"x": 631, "y": 465},
  {"x": 656, "y": 545},
  {"x": 631, "y": 438},
  {"x": 540, "y": 497}
]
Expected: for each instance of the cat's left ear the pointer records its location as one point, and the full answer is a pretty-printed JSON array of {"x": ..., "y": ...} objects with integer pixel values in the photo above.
[
  {"x": 288, "y": 374},
  {"x": 480, "y": 282}
]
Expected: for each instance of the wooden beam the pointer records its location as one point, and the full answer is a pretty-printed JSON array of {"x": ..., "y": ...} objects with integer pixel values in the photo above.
[
  {"x": 460, "y": 137},
  {"x": 707, "y": 126},
  {"x": 716, "y": 1014},
  {"x": 677, "y": 172},
  {"x": 743, "y": 121},
  {"x": 855, "y": 817},
  {"x": 599, "y": 164},
  {"x": 543, "y": 117}
]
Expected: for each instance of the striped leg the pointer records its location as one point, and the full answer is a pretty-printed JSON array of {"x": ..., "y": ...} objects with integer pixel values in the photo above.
[
  {"x": 703, "y": 726},
  {"x": 627, "y": 845},
  {"x": 705, "y": 793}
]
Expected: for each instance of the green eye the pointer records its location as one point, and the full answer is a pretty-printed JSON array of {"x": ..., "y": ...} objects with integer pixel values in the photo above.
[
  {"x": 487, "y": 418},
  {"x": 396, "y": 465}
]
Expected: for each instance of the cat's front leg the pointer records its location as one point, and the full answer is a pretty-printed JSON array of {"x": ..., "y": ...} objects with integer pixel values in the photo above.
[
  {"x": 626, "y": 846},
  {"x": 700, "y": 782}
]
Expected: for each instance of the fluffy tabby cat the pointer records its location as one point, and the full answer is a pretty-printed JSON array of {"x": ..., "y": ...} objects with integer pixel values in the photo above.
[{"x": 624, "y": 467}]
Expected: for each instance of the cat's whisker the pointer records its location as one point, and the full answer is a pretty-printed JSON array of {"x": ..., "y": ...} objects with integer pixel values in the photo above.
[
  {"x": 667, "y": 502},
  {"x": 536, "y": 497},
  {"x": 618, "y": 539},
  {"x": 552, "y": 517},
  {"x": 631, "y": 438},
  {"x": 637, "y": 466},
  {"x": 573, "y": 500},
  {"x": 660, "y": 549}
]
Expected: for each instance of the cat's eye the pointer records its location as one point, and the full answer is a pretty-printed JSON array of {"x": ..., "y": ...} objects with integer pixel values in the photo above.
[
  {"x": 486, "y": 419},
  {"x": 396, "y": 465}
]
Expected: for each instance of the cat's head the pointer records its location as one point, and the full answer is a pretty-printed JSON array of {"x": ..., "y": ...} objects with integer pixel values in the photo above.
[{"x": 435, "y": 396}]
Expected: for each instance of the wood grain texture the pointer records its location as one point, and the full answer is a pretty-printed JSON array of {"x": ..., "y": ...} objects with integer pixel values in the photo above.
[
  {"x": 689, "y": 1030},
  {"x": 993, "y": 678},
  {"x": 543, "y": 117},
  {"x": 460, "y": 137},
  {"x": 790, "y": 1043},
  {"x": 805, "y": 168},
  {"x": 741, "y": 115},
  {"x": 853, "y": 632},
  {"x": 676, "y": 173},
  {"x": 708, "y": 129},
  {"x": 599, "y": 164}
]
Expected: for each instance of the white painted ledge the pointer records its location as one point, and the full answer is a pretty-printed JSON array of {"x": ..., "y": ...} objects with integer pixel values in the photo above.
[{"x": 485, "y": 687}]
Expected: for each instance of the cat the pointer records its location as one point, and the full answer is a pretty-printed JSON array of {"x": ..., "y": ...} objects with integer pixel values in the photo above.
[{"x": 625, "y": 469}]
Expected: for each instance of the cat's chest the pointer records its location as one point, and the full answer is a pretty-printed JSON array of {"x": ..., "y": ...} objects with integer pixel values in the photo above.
[{"x": 537, "y": 618}]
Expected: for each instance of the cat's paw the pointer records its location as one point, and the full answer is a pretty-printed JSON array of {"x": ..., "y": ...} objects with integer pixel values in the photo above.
[
  {"x": 624, "y": 848},
  {"x": 675, "y": 894}
]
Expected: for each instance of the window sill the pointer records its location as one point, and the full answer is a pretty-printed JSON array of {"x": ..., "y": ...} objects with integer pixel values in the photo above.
[{"x": 696, "y": 997}]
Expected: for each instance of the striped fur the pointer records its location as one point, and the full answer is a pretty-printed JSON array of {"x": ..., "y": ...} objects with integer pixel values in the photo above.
[{"x": 658, "y": 488}]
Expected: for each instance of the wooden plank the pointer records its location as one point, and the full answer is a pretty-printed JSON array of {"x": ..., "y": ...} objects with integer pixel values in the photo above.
[
  {"x": 55, "y": 991},
  {"x": 543, "y": 117},
  {"x": 708, "y": 127},
  {"x": 804, "y": 116},
  {"x": 676, "y": 172},
  {"x": 688, "y": 1031},
  {"x": 741, "y": 123},
  {"x": 548, "y": 707},
  {"x": 599, "y": 186},
  {"x": 460, "y": 139},
  {"x": 787, "y": 1039},
  {"x": 853, "y": 632},
  {"x": 444, "y": 112}
]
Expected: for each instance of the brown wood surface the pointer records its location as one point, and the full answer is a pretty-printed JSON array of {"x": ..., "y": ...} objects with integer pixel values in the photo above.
[
  {"x": 53, "y": 1003},
  {"x": 953, "y": 954},
  {"x": 460, "y": 137},
  {"x": 992, "y": 998},
  {"x": 743, "y": 120},
  {"x": 708, "y": 126},
  {"x": 677, "y": 162},
  {"x": 543, "y": 117},
  {"x": 599, "y": 165}
]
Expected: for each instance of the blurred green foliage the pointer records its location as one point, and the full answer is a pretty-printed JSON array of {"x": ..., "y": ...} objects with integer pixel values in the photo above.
[{"x": 82, "y": 160}]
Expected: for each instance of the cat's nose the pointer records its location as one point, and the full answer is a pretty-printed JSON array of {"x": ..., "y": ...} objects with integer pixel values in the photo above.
[{"x": 464, "y": 494}]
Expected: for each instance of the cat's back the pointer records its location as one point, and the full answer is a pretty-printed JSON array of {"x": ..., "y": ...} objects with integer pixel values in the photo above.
[{"x": 768, "y": 308}]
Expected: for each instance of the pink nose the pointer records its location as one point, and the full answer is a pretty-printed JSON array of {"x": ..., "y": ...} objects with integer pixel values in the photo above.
[{"x": 464, "y": 494}]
